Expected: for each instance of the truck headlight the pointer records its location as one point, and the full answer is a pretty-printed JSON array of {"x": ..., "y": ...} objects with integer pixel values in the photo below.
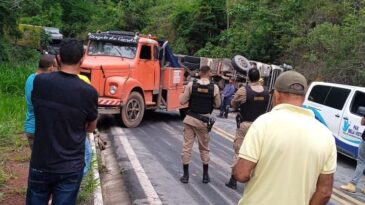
[{"x": 113, "y": 89}]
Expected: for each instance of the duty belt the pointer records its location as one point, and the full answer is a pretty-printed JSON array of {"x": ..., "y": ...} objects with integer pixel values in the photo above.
[
  {"x": 209, "y": 120},
  {"x": 239, "y": 120}
]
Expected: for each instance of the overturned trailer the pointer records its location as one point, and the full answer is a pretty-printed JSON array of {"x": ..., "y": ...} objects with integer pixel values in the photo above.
[{"x": 235, "y": 68}]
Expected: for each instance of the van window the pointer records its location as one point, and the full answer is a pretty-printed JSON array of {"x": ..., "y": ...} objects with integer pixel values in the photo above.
[
  {"x": 358, "y": 104},
  {"x": 337, "y": 97},
  {"x": 145, "y": 52},
  {"x": 319, "y": 93}
]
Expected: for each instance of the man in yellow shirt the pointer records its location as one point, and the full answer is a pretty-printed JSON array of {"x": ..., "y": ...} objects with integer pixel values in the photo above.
[{"x": 287, "y": 156}]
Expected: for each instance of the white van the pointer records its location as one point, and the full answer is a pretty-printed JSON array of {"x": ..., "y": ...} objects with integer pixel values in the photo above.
[{"x": 341, "y": 108}]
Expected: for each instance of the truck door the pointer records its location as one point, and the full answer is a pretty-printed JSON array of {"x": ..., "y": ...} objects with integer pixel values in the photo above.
[
  {"x": 351, "y": 129},
  {"x": 146, "y": 73},
  {"x": 156, "y": 65}
]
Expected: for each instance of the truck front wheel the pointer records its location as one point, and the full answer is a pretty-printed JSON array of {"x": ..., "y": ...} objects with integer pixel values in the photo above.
[{"x": 132, "y": 112}]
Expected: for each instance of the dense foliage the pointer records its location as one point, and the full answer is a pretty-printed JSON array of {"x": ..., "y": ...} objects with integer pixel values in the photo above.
[{"x": 324, "y": 39}]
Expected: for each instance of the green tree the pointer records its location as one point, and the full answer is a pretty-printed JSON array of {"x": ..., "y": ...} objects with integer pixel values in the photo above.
[
  {"x": 109, "y": 16},
  {"x": 76, "y": 16},
  {"x": 9, "y": 17}
]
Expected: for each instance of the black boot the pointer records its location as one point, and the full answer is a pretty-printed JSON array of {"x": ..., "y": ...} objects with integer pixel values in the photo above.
[
  {"x": 206, "y": 178},
  {"x": 185, "y": 178},
  {"x": 232, "y": 183}
]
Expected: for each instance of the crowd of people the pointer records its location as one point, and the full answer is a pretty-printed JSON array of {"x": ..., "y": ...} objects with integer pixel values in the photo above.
[
  {"x": 284, "y": 156},
  {"x": 61, "y": 109}
]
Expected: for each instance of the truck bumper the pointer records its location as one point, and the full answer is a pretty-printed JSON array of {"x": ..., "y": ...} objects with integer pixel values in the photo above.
[{"x": 108, "y": 105}]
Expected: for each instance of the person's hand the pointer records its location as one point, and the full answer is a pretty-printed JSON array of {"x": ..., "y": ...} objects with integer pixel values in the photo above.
[{"x": 363, "y": 120}]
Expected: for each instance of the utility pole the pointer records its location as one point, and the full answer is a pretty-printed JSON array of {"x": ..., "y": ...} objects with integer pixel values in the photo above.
[{"x": 227, "y": 12}]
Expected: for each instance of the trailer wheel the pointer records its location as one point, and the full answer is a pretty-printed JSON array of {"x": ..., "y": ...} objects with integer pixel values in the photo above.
[
  {"x": 241, "y": 64},
  {"x": 132, "y": 112}
]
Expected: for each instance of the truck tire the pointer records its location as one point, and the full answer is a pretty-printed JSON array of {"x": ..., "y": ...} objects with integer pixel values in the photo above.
[
  {"x": 192, "y": 66},
  {"x": 241, "y": 64},
  {"x": 132, "y": 112},
  {"x": 192, "y": 59}
]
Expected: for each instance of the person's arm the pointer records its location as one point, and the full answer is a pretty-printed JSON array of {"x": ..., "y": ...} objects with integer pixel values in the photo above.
[
  {"x": 231, "y": 90},
  {"x": 225, "y": 91},
  {"x": 92, "y": 115},
  {"x": 325, "y": 180},
  {"x": 323, "y": 191},
  {"x": 185, "y": 96},
  {"x": 250, "y": 153},
  {"x": 217, "y": 97},
  {"x": 91, "y": 126},
  {"x": 239, "y": 97},
  {"x": 243, "y": 169}
]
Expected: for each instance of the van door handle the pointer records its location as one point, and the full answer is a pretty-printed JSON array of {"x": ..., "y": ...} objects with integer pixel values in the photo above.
[
  {"x": 337, "y": 115},
  {"x": 345, "y": 118}
]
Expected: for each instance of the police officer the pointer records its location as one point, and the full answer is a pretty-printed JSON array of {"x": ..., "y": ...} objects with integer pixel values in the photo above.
[
  {"x": 251, "y": 101},
  {"x": 202, "y": 96}
]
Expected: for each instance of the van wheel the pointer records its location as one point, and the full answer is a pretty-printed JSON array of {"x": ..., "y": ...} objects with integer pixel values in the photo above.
[{"x": 132, "y": 112}]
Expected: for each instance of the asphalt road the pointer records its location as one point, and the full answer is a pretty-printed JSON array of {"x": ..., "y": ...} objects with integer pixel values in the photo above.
[{"x": 149, "y": 157}]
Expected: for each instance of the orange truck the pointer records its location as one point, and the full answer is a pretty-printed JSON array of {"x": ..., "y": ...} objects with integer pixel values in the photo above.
[{"x": 132, "y": 73}]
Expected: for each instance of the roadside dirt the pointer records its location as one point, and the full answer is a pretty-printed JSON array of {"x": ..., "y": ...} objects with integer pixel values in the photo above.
[{"x": 16, "y": 164}]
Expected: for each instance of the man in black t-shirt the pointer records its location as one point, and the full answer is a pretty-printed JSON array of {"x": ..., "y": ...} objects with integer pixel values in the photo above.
[{"x": 65, "y": 109}]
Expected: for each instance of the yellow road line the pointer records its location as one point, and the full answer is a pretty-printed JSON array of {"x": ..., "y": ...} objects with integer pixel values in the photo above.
[
  {"x": 348, "y": 197},
  {"x": 221, "y": 131},
  {"x": 353, "y": 200},
  {"x": 338, "y": 199},
  {"x": 222, "y": 134}
]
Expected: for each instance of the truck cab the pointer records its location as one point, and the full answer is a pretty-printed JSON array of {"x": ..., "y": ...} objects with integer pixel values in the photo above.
[{"x": 131, "y": 73}]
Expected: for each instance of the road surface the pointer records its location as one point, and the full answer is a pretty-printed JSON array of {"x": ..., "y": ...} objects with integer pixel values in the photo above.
[{"x": 149, "y": 158}]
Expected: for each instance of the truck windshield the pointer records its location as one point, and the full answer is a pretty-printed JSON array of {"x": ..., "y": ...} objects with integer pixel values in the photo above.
[{"x": 99, "y": 48}]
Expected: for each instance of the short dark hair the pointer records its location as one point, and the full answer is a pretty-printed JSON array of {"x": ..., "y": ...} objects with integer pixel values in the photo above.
[
  {"x": 205, "y": 69},
  {"x": 254, "y": 75},
  {"x": 45, "y": 62},
  {"x": 71, "y": 51}
]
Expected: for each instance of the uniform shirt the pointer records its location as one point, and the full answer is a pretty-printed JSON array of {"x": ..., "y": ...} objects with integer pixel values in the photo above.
[
  {"x": 63, "y": 104},
  {"x": 185, "y": 97},
  {"x": 291, "y": 149},
  {"x": 29, "y": 123},
  {"x": 240, "y": 96}
]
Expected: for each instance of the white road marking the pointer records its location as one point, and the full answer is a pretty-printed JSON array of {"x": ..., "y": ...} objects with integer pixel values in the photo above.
[
  {"x": 350, "y": 199},
  {"x": 146, "y": 185},
  {"x": 214, "y": 158},
  {"x": 98, "y": 197}
]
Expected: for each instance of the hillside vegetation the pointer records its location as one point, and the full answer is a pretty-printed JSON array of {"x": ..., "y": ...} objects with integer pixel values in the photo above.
[{"x": 324, "y": 39}]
